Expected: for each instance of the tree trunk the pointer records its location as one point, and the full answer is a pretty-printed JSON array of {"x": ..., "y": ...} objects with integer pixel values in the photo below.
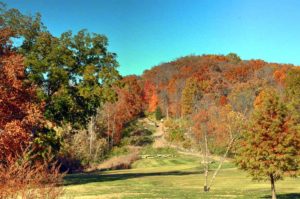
[
  {"x": 113, "y": 131},
  {"x": 206, "y": 189},
  {"x": 91, "y": 133},
  {"x": 273, "y": 186},
  {"x": 167, "y": 112},
  {"x": 108, "y": 129}
]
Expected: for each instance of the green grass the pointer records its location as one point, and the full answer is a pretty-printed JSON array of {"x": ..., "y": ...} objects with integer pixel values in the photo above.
[{"x": 178, "y": 177}]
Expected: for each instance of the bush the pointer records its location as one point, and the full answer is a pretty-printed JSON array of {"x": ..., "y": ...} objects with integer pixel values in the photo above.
[
  {"x": 23, "y": 178},
  {"x": 158, "y": 113},
  {"x": 141, "y": 140},
  {"x": 118, "y": 151},
  {"x": 176, "y": 129},
  {"x": 80, "y": 145},
  {"x": 119, "y": 162},
  {"x": 176, "y": 135},
  {"x": 187, "y": 144},
  {"x": 69, "y": 163},
  {"x": 140, "y": 137}
]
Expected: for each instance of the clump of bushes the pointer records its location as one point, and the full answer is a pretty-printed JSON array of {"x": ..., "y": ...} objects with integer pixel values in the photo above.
[
  {"x": 119, "y": 151},
  {"x": 119, "y": 162},
  {"x": 176, "y": 129},
  {"x": 69, "y": 162},
  {"x": 24, "y": 177},
  {"x": 158, "y": 113},
  {"x": 139, "y": 137},
  {"x": 136, "y": 134}
]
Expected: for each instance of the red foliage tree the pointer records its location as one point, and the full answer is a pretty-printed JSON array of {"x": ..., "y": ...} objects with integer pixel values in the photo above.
[
  {"x": 280, "y": 75},
  {"x": 128, "y": 106},
  {"x": 20, "y": 114},
  {"x": 223, "y": 100}
]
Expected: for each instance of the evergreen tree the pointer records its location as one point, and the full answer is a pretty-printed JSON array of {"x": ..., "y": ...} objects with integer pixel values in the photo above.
[{"x": 270, "y": 146}]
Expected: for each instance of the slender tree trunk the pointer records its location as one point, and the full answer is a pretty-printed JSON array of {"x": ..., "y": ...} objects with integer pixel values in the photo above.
[
  {"x": 221, "y": 163},
  {"x": 113, "y": 131},
  {"x": 273, "y": 186},
  {"x": 108, "y": 129},
  {"x": 206, "y": 162},
  {"x": 91, "y": 132},
  {"x": 167, "y": 111}
]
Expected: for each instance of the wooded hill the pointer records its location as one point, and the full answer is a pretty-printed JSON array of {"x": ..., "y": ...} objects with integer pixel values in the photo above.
[{"x": 190, "y": 83}]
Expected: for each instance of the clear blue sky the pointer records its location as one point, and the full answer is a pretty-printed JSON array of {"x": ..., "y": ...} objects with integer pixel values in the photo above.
[{"x": 145, "y": 33}]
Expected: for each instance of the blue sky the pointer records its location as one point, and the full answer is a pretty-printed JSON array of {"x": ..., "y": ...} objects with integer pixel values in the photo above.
[{"x": 145, "y": 33}]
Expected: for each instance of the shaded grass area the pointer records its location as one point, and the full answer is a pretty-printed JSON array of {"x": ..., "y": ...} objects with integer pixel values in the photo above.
[{"x": 177, "y": 177}]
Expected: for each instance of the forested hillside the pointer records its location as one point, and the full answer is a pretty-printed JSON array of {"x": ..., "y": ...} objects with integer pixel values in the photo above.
[{"x": 189, "y": 84}]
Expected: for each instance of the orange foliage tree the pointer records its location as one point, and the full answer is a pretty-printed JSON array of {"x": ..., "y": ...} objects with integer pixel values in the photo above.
[
  {"x": 20, "y": 114},
  {"x": 129, "y": 105}
]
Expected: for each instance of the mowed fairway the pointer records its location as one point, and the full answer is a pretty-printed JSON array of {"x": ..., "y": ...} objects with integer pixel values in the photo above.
[{"x": 178, "y": 177}]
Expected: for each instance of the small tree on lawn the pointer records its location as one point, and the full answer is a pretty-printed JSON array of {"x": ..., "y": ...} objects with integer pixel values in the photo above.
[{"x": 269, "y": 148}]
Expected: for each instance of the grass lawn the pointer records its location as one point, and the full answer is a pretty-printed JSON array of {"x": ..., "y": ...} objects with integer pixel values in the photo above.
[{"x": 178, "y": 177}]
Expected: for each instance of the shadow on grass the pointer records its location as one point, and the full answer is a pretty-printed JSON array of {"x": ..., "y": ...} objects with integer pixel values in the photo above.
[
  {"x": 84, "y": 178},
  {"x": 285, "y": 196}
]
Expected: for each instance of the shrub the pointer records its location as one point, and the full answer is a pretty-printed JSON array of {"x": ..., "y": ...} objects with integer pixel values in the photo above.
[
  {"x": 140, "y": 137},
  {"x": 87, "y": 151},
  {"x": 118, "y": 151},
  {"x": 23, "y": 178},
  {"x": 69, "y": 162},
  {"x": 176, "y": 135},
  {"x": 187, "y": 144},
  {"x": 119, "y": 162},
  {"x": 158, "y": 113}
]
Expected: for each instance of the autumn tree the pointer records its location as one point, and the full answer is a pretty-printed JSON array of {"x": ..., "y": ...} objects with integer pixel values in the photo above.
[
  {"x": 292, "y": 92},
  {"x": 191, "y": 95},
  {"x": 23, "y": 128},
  {"x": 112, "y": 117},
  {"x": 215, "y": 127},
  {"x": 270, "y": 146}
]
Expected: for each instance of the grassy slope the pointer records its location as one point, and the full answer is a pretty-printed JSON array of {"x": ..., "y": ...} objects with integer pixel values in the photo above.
[{"x": 178, "y": 177}]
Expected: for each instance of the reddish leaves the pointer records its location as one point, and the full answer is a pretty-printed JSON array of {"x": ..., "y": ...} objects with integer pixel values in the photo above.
[
  {"x": 129, "y": 105},
  {"x": 20, "y": 115}
]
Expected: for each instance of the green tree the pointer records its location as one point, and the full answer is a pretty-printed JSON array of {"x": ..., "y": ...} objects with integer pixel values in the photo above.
[
  {"x": 158, "y": 113},
  {"x": 75, "y": 74},
  {"x": 233, "y": 57},
  {"x": 270, "y": 146}
]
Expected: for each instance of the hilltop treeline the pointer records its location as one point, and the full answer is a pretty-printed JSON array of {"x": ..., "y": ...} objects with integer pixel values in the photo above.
[{"x": 188, "y": 84}]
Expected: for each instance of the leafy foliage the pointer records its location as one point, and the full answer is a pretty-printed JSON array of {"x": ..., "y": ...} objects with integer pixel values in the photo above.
[
  {"x": 21, "y": 120},
  {"x": 270, "y": 145},
  {"x": 74, "y": 74}
]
